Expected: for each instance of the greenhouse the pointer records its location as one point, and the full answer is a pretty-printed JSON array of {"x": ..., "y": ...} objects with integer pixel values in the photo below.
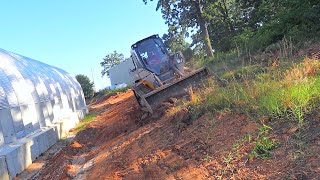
[{"x": 39, "y": 103}]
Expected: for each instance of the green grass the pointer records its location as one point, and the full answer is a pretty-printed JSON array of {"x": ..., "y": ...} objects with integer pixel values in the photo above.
[
  {"x": 283, "y": 89},
  {"x": 263, "y": 145},
  {"x": 104, "y": 92},
  {"x": 291, "y": 100},
  {"x": 279, "y": 93},
  {"x": 207, "y": 157},
  {"x": 82, "y": 125},
  {"x": 242, "y": 71}
]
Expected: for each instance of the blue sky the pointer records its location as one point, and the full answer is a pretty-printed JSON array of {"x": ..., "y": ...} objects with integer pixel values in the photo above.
[{"x": 76, "y": 34}]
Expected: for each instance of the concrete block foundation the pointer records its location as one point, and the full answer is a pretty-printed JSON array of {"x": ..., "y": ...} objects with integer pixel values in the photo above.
[{"x": 17, "y": 156}]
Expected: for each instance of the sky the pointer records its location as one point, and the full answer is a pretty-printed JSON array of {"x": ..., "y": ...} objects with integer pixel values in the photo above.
[{"x": 75, "y": 35}]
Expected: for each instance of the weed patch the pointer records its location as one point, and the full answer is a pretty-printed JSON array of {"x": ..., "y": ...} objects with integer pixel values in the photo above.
[
  {"x": 263, "y": 145},
  {"x": 106, "y": 91},
  {"x": 233, "y": 155},
  {"x": 82, "y": 125}
]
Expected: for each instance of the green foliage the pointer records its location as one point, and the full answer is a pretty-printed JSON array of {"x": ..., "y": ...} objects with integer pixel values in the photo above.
[
  {"x": 106, "y": 91},
  {"x": 234, "y": 154},
  {"x": 86, "y": 85},
  {"x": 263, "y": 145},
  {"x": 182, "y": 16},
  {"x": 207, "y": 158},
  {"x": 195, "y": 110},
  {"x": 270, "y": 93},
  {"x": 297, "y": 19},
  {"x": 175, "y": 42},
  {"x": 109, "y": 61},
  {"x": 301, "y": 96},
  {"x": 231, "y": 24},
  {"x": 219, "y": 99},
  {"x": 82, "y": 125},
  {"x": 243, "y": 72},
  {"x": 271, "y": 102},
  {"x": 178, "y": 43},
  {"x": 296, "y": 99},
  {"x": 263, "y": 148}
]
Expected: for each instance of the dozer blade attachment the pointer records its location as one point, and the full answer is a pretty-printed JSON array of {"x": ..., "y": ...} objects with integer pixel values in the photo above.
[{"x": 153, "y": 99}]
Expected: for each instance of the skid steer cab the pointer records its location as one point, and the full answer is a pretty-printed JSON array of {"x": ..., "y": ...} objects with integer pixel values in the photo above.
[{"x": 158, "y": 74}]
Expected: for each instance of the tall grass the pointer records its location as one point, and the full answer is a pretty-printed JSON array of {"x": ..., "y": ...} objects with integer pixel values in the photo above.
[
  {"x": 106, "y": 91},
  {"x": 286, "y": 94}
]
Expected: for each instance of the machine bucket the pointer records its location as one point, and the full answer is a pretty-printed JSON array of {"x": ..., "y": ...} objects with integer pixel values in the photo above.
[{"x": 153, "y": 99}]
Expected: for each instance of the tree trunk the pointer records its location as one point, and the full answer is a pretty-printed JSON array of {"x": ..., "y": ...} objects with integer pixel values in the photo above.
[{"x": 204, "y": 28}]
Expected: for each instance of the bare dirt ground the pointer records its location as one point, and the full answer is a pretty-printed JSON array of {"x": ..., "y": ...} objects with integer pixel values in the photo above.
[{"x": 119, "y": 145}]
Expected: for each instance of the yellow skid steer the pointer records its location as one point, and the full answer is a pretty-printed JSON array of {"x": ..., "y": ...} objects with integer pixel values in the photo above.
[{"x": 159, "y": 75}]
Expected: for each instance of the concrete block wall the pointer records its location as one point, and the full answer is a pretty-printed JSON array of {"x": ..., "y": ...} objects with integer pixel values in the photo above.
[{"x": 17, "y": 156}]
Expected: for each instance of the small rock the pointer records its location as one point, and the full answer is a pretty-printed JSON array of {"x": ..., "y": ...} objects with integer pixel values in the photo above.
[{"x": 173, "y": 100}]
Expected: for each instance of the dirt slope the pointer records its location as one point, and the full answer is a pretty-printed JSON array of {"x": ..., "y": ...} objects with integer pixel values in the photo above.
[{"x": 118, "y": 145}]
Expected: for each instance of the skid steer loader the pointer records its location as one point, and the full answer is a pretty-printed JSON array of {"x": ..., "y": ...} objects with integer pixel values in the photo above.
[{"x": 159, "y": 75}]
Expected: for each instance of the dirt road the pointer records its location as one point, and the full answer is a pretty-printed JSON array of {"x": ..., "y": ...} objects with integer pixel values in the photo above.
[{"x": 119, "y": 145}]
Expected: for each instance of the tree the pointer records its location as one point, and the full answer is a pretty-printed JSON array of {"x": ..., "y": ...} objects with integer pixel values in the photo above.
[
  {"x": 175, "y": 42},
  {"x": 221, "y": 25},
  {"x": 183, "y": 14},
  {"x": 178, "y": 43},
  {"x": 110, "y": 61},
  {"x": 86, "y": 85},
  {"x": 272, "y": 20},
  {"x": 227, "y": 24}
]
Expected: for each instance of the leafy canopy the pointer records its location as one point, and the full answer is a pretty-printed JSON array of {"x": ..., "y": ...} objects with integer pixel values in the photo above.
[
  {"x": 109, "y": 61},
  {"x": 228, "y": 24},
  {"x": 86, "y": 85},
  {"x": 184, "y": 15}
]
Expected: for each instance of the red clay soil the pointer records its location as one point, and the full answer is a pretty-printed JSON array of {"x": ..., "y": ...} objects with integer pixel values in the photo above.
[{"x": 119, "y": 145}]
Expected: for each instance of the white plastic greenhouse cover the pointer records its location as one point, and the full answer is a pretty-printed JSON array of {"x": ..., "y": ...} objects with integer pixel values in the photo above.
[{"x": 33, "y": 96}]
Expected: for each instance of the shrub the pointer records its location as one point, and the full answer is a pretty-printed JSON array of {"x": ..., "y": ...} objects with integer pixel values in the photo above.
[
  {"x": 86, "y": 85},
  {"x": 107, "y": 91}
]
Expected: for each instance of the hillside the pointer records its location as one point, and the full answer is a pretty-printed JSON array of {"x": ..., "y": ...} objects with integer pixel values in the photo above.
[{"x": 243, "y": 130}]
